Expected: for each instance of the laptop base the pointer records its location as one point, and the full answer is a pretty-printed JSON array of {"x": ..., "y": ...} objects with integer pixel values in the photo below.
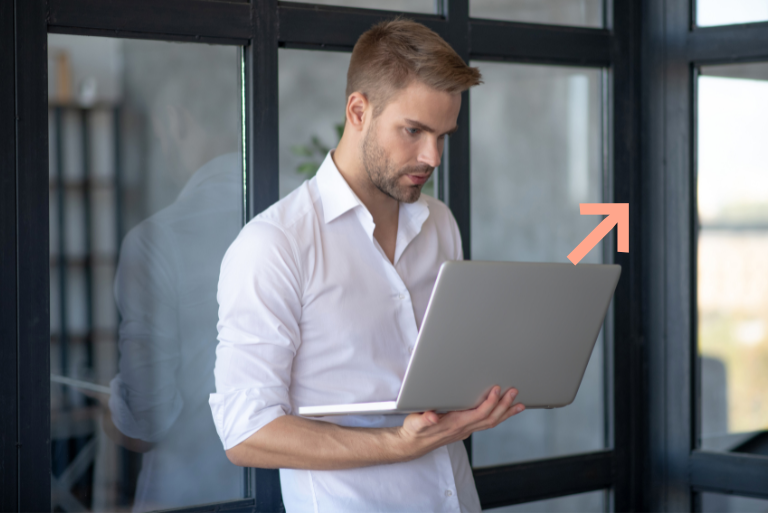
[{"x": 350, "y": 409}]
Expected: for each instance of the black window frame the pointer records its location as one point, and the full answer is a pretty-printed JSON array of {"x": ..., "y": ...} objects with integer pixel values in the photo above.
[
  {"x": 673, "y": 49},
  {"x": 261, "y": 27}
]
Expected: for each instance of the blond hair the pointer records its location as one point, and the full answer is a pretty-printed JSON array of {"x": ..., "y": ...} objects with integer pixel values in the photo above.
[{"x": 391, "y": 54}]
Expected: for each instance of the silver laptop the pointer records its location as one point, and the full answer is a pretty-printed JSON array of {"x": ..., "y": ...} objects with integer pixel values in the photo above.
[{"x": 531, "y": 326}]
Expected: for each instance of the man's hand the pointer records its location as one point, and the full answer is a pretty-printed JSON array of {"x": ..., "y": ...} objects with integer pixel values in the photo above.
[
  {"x": 425, "y": 432},
  {"x": 296, "y": 442}
]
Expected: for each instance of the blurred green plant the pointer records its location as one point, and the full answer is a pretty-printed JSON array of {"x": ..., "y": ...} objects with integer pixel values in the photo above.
[{"x": 315, "y": 151}]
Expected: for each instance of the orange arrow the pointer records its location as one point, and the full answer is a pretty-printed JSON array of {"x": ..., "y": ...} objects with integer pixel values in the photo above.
[{"x": 618, "y": 214}]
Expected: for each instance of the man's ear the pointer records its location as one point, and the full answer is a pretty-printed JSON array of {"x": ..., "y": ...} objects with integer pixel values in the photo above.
[{"x": 358, "y": 107}]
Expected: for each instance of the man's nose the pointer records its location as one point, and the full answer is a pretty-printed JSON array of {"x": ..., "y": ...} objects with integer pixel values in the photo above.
[{"x": 430, "y": 153}]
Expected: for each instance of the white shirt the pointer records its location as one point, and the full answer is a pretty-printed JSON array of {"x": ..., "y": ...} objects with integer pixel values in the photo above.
[
  {"x": 165, "y": 289},
  {"x": 312, "y": 312}
]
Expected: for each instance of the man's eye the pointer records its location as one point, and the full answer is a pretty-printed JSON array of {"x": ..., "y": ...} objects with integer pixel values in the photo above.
[{"x": 412, "y": 131}]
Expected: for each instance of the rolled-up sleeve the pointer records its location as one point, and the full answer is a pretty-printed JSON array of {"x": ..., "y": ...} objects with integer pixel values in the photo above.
[{"x": 259, "y": 295}]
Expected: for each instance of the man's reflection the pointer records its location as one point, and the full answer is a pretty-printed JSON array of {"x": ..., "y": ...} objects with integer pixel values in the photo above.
[{"x": 165, "y": 289}]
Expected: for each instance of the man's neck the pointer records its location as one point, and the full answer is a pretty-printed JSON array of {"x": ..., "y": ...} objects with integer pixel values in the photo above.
[{"x": 384, "y": 209}]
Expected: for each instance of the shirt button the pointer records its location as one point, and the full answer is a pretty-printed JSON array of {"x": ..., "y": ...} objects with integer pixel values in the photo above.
[
  {"x": 448, "y": 493},
  {"x": 401, "y": 297}
]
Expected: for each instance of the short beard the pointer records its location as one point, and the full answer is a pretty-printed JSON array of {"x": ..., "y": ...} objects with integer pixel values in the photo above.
[{"x": 383, "y": 174}]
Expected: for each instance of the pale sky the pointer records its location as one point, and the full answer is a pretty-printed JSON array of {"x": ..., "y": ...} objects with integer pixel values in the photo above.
[
  {"x": 732, "y": 143},
  {"x": 727, "y": 12}
]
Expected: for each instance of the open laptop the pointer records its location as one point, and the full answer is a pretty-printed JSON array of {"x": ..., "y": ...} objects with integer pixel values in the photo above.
[{"x": 531, "y": 326}]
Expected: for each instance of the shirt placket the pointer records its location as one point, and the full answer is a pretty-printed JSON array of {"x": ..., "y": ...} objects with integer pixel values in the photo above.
[
  {"x": 400, "y": 294},
  {"x": 404, "y": 305},
  {"x": 446, "y": 481}
]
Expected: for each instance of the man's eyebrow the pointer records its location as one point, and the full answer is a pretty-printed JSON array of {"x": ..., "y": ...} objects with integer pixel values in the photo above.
[{"x": 430, "y": 130}]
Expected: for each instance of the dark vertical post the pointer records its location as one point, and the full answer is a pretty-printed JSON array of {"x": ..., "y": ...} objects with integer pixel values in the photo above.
[
  {"x": 667, "y": 237},
  {"x": 628, "y": 341},
  {"x": 654, "y": 208},
  {"x": 678, "y": 251},
  {"x": 8, "y": 263},
  {"x": 34, "y": 463},
  {"x": 457, "y": 175},
  {"x": 269, "y": 498},
  {"x": 457, "y": 13},
  {"x": 87, "y": 223},
  {"x": 61, "y": 250},
  {"x": 695, "y": 359},
  {"x": 61, "y": 457},
  {"x": 261, "y": 110},
  {"x": 127, "y": 458},
  {"x": 262, "y": 171},
  {"x": 440, "y": 177},
  {"x": 117, "y": 178}
]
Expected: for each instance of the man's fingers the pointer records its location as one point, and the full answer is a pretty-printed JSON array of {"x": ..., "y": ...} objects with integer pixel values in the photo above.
[
  {"x": 420, "y": 421},
  {"x": 431, "y": 418},
  {"x": 499, "y": 412},
  {"x": 513, "y": 411},
  {"x": 487, "y": 406},
  {"x": 479, "y": 415}
]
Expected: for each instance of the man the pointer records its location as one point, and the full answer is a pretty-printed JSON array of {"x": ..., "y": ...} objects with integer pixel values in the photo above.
[{"x": 322, "y": 295}]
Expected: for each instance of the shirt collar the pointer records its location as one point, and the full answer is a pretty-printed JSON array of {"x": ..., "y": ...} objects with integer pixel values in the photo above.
[
  {"x": 338, "y": 198},
  {"x": 410, "y": 221},
  {"x": 336, "y": 194}
]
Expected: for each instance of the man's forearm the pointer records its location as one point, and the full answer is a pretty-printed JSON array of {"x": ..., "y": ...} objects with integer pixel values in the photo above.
[{"x": 295, "y": 442}]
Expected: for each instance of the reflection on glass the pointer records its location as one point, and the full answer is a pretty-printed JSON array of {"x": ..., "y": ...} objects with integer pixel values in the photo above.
[
  {"x": 732, "y": 266},
  {"x": 145, "y": 197},
  {"x": 536, "y": 154},
  {"x": 721, "y": 503},
  {"x": 579, "y": 13},
  {"x": 580, "y": 503},
  {"x": 312, "y": 104},
  {"x": 717, "y": 12},
  {"x": 422, "y": 6}
]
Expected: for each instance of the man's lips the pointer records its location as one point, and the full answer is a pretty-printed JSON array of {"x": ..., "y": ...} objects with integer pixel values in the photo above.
[{"x": 418, "y": 179}]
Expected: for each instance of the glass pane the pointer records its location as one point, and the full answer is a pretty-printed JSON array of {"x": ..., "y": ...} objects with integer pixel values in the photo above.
[
  {"x": 732, "y": 268},
  {"x": 579, "y": 13},
  {"x": 721, "y": 503},
  {"x": 312, "y": 105},
  {"x": 536, "y": 154},
  {"x": 717, "y": 12},
  {"x": 422, "y": 6},
  {"x": 580, "y": 503},
  {"x": 145, "y": 197}
]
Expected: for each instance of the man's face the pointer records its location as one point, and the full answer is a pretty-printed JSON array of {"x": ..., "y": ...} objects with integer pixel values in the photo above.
[{"x": 405, "y": 143}]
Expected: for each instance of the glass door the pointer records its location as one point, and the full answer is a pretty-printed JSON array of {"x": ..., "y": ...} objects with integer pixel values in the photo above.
[{"x": 146, "y": 194}]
